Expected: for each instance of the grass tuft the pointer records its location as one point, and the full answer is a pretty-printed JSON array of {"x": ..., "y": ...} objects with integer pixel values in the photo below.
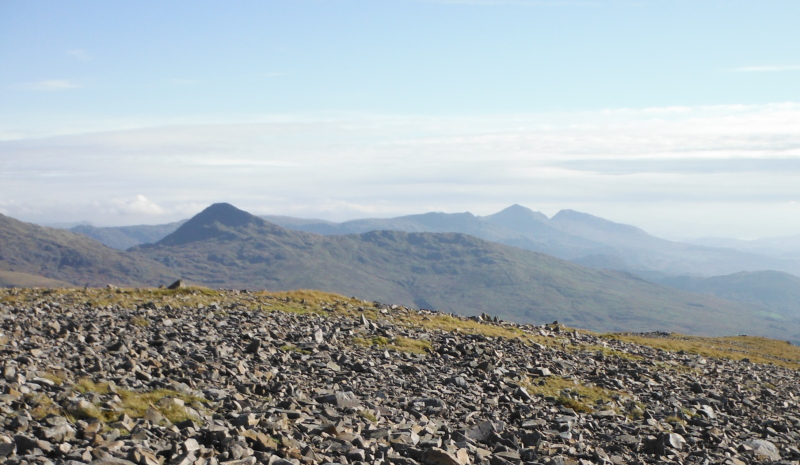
[
  {"x": 52, "y": 377},
  {"x": 139, "y": 321},
  {"x": 399, "y": 343},
  {"x": 756, "y": 349},
  {"x": 579, "y": 397},
  {"x": 134, "y": 404}
]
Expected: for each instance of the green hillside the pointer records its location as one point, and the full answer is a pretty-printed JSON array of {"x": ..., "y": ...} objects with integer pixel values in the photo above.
[
  {"x": 448, "y": 272},
  {"x": 73, "y": 258}
]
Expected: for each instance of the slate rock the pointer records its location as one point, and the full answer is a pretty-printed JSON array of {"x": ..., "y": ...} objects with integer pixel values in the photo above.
[
  {"x": 340, "y": 399},
  {"x": 763, "y": 449},
  {"x": 437, "y": 456}
]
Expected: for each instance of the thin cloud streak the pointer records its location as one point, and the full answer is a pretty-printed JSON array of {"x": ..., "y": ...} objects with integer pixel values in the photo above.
[{"x": 50, "y": 85}]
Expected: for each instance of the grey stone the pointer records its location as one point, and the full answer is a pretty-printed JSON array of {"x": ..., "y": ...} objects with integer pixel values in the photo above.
[
  {"x": 764, "y": 449},
  {"x": 342, "y": 400},
  {"x": 109, "y": 460}
]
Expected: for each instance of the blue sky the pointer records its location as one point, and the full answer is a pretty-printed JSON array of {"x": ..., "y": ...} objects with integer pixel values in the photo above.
[{"x": 681, "y": 117}]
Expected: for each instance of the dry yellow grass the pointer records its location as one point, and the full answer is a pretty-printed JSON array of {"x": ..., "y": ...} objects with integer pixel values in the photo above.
[
  {"x": 19, "y": 279},
  {"x": 42, "y": 405},
  {"x": 134, "y": 404},
  {"x": 399, "y": 343},
  {"x": 579, "y": 397},
  {"x": 756, "y": 349},
  {"x": 125, "y": 298}
]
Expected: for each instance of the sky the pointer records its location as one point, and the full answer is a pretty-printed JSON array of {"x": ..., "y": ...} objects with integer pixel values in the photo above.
[{"x": 679, "y": 117}]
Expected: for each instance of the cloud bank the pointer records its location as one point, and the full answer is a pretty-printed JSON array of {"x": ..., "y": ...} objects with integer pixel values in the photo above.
[{"x": 677, "y": 171}]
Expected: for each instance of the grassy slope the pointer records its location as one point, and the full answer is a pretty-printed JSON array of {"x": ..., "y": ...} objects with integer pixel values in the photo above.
[
  {"x": 18, "y": 279},
  {"x": 73, "y": 258}
]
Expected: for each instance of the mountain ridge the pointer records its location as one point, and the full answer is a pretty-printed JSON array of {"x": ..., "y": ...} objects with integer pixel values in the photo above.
[
  {"x": 448, "y": 272},
  {"x": 225, "y": 247},
  {"x": 569, "y": 235}
]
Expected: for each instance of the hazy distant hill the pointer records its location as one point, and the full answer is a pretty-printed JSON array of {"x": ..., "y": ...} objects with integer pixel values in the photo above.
[
  {"x": 69, "y": 257},
  {"x": 516, "y": 225},
  {"x": 785, "y": 247},
  {"x": 569, "y": 235},
  {"x": 125, "y": 237},
  {"x": 777, "y": 292},
  {"x": 226, "y": 247},
  {"x": 579, "y": 237}
]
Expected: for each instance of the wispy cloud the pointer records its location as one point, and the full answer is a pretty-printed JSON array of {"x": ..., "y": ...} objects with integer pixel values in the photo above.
[
  {"x": 79, "y": 54},
  {"x": 765, "y": 69},
  {"x": 50, "y": 85}
]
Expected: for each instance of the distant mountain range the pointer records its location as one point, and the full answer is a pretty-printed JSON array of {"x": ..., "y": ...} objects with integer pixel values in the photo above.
[
  {"x": 569, "y": 235},
  {"x": 224, "y": 247},
  {"x": 578, "y": 237},
  {"x": 125, "y": 237}
]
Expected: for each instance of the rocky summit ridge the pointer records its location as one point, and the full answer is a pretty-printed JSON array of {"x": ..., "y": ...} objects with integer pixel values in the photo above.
[{"x": 193, "y": 376}]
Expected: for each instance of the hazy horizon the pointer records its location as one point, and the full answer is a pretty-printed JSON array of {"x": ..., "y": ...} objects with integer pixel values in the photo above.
[
  {"x": 681, "y": 118},
  {"x": 72, "y": 224}
]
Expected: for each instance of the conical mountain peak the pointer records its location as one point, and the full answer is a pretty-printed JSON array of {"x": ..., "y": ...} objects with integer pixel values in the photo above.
[
  {"x": 226, "y": 214},
  {"x": 519, "y": 218},
  {"x": 518, "y": 211},
  {"x": 216, "y": 221}
]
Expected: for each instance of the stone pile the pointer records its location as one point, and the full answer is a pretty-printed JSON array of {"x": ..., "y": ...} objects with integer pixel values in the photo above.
[{"x": 222, "y": 384}]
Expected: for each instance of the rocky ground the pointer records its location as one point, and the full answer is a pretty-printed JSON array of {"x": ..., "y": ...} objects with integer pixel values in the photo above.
[{"x": 231, "y": 382}]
